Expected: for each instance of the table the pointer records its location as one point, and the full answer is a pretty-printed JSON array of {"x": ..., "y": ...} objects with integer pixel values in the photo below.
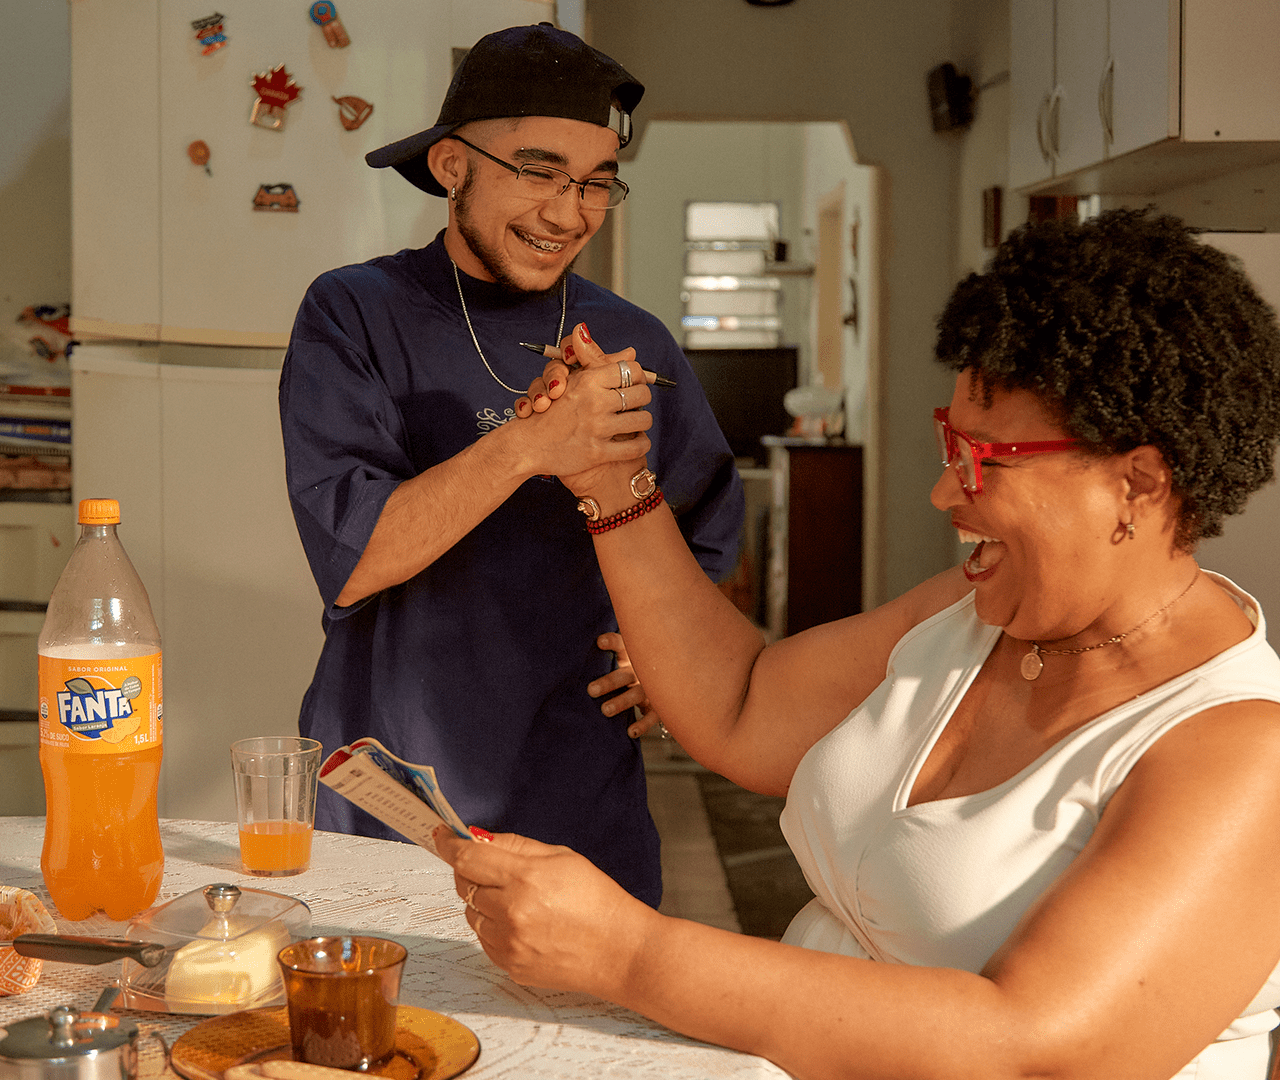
[{"x": 399, "y": 891}]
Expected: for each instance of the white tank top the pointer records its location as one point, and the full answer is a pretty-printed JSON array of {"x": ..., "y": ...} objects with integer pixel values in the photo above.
[{"x": 944, "y": 883}]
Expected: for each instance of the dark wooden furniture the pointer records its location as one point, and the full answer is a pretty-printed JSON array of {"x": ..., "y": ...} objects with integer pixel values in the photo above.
[{"x": 815, "y": 535}]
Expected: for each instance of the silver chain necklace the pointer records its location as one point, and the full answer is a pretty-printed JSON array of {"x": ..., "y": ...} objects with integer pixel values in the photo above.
[
  {"x": 564, "y": 304},
  {"x": 1032, "y": 664}
]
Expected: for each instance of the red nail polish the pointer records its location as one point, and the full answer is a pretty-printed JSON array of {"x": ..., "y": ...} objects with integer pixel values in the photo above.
[
  {"x": 554, "y": 383},
  {"x": 537, "y": 397},
  {"x": 481, "y": 834},
  {"x": 568, "y": 353},
  {"x": 586, "y": 334}
]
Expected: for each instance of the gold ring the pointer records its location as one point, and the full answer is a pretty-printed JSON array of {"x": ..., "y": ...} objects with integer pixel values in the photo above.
[{"x": 471, "y": 895}]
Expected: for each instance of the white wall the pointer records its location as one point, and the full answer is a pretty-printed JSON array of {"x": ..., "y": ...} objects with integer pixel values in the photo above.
[
  {"x": 982, "y": 53},
  {"x": 677, "y": 163},
  {"x": 1246, "y": 550},
  {"x": 865, "y": 65},
  {"x": 831, "y": 164}
]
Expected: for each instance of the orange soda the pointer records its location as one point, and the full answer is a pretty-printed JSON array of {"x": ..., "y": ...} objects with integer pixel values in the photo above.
[
  {"x": 270, "y": 848},
  {"x": 100, "y": 713}
]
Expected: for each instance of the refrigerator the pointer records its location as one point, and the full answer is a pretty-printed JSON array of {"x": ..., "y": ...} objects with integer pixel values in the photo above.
[{"x": 195, "y": 233}]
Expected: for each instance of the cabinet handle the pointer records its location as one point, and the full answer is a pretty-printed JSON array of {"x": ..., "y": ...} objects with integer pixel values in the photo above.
[
  {"x": 1042, "y": 122},
  {"x": 1052, "y": 129},
  {"x": 1106, "y": 101}
]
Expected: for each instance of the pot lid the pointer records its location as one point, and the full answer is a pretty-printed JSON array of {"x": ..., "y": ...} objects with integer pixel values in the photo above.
[{"x": 66, "y": 1033}]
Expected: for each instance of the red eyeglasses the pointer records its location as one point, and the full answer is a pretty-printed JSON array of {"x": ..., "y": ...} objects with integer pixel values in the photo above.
[{"x": 966, "y": 454}]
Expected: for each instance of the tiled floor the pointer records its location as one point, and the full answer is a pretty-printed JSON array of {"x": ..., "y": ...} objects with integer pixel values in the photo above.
[
  {"x": 694, "y": 885},
  {"x": 724, "y": 861}
]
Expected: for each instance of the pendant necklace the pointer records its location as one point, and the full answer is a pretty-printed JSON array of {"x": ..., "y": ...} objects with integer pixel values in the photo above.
[
  {"x": 564, "y": 303},
  {"x": 1032, "y": 664}
]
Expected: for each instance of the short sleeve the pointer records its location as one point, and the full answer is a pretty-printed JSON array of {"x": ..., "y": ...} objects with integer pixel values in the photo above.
[{"x": 344, "y": 440}]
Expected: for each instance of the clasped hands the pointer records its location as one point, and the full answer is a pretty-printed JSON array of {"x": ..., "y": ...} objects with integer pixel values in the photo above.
[
  {"x": 543, "y": 913},
  {"x": 604, "y": 410},
  {"x": 600, "y": 420}
]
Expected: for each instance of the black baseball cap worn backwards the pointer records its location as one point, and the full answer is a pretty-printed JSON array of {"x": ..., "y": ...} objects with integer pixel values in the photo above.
[{"x": 521, "y": 71}]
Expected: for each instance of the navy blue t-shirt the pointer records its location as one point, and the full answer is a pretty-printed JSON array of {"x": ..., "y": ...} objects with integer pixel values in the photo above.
[{"x": 479, "y": 664}]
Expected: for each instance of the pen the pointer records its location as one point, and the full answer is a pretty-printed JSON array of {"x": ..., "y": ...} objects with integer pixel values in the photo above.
[{"x": 553, "y": 353}]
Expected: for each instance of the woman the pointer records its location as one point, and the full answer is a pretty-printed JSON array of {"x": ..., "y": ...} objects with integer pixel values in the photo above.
[{"x": 1035, "y": 796}]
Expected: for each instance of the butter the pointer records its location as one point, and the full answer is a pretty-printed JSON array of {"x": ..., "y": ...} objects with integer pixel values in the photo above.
[{"x": 241, "y": 971}]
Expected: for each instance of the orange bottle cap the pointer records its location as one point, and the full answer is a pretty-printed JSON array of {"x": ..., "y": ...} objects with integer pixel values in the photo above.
[{"x": 99, "y": 512}]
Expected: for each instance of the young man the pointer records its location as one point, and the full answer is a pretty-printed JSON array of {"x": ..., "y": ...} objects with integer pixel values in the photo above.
[{"x": 464, "y": 605}]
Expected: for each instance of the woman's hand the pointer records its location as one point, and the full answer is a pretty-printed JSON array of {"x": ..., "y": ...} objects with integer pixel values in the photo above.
[
  {"x": 623, "y": 675},
  {"x": 615, "y": 386},
  {"x": 600, "y": 419},
  {"x": 545, "y": 914},
  {"x": 579, "y": 351}
]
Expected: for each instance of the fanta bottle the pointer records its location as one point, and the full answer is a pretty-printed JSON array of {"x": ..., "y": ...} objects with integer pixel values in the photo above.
[{"x": 100, "y": 729}]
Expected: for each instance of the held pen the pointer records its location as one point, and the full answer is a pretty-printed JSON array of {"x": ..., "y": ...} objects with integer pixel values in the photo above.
[{"x": 553, "y": 353}]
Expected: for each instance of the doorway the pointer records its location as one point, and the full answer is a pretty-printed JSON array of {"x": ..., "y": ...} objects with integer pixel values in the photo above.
[{"x": 828, "y": 215}]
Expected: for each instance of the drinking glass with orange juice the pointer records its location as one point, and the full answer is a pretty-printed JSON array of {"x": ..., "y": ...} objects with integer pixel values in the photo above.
[{"x": 275, "y": 778}]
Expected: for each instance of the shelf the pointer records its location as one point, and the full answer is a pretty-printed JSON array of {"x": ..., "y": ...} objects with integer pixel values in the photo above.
[
  {"x": 788, "y": 269},
  {"x": 1161, "y": 167}
]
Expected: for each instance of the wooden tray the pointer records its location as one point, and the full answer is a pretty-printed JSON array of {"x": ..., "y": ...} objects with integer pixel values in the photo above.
[{"x": 429, "y": 1046}]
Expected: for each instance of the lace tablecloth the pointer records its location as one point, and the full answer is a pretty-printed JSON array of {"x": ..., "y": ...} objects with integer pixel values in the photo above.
[{"x": 401, "y": 892}]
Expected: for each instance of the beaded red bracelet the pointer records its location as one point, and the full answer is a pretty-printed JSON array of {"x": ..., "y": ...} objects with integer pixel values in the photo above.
[{"x": 650, "y": 502}]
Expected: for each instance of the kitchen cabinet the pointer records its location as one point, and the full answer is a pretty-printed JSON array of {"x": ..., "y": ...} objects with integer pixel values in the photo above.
[
  {"x": 35, "y": 541},
  {"x": 1140, "y": 96},
  {"x": 815, "y": 533}
]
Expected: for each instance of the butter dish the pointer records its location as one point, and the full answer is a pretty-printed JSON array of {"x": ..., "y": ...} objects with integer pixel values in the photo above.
[{"x": 220, "y": 957}]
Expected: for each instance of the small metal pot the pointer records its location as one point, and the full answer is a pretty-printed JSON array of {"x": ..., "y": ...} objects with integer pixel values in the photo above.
[{"x": 69, "y": 1045}]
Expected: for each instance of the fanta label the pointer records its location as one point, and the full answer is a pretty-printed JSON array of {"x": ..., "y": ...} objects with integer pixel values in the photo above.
[{"x": 101, "y": 706}]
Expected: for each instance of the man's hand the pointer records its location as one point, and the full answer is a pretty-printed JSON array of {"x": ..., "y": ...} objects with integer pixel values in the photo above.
[
  {"x": 633, "y": 697},
  {"x": 601, "y": 419}
]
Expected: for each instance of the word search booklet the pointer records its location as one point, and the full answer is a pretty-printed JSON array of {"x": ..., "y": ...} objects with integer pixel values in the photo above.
[{"x": 404, "y": 796}]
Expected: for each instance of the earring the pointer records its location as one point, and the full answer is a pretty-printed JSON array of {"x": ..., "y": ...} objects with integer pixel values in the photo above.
[
  {"x": 453, "y": 193},
  {"x": 1128, "y": 528}
]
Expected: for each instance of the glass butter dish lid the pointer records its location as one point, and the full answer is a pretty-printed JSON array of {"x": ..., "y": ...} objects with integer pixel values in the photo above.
[{"x": 220, "y": 951}]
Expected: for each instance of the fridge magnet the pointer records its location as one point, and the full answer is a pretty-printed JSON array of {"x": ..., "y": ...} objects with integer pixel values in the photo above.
[
  {"x": 209, "y": 32},
  {"x": 325, "y": 16},
  {"x": 198, "y": 152},
  {"x": 276, "y": 197},
  {"x": 352, "y": 111},
  {"x": 276, "y": 92},
  {"x": 52, "y": 341}
]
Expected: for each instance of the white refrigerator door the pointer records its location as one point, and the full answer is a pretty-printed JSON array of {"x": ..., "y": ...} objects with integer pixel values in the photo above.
[{"x": 164, "y": 249}]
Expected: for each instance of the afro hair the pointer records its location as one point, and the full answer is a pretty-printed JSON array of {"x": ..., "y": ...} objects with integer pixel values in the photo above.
[{"x": 1132, "y": 332}]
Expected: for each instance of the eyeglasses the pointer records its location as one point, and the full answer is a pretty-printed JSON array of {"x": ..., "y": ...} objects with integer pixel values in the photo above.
[
  {"x": 539, "y": 181},
  {"x": 966, "y": 454}
]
